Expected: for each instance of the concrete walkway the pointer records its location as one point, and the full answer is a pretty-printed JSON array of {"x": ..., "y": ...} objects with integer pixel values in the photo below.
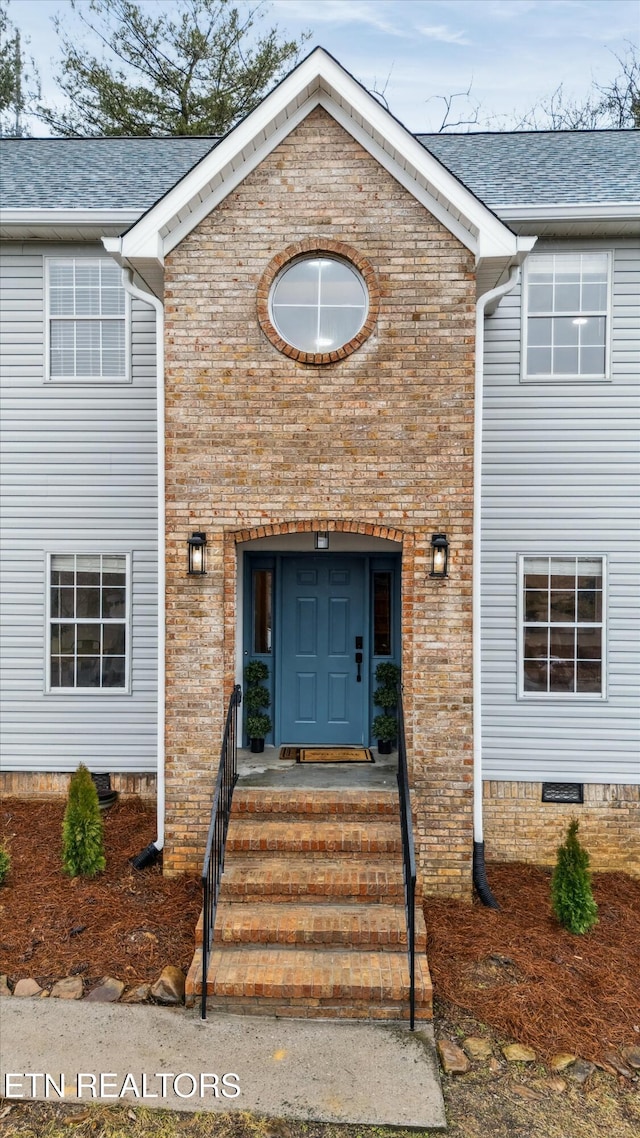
[{"x": 313, "y": 1071}]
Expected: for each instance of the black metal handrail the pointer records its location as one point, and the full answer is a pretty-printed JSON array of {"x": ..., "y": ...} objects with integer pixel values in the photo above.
[
  {"x": 408, "y": 859},
  {"x": 213, "y": 864}
]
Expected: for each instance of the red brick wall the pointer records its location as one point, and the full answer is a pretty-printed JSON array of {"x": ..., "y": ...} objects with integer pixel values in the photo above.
[
  {"x": 518, "y": 826},
  {"x": 383, "y": 438}
]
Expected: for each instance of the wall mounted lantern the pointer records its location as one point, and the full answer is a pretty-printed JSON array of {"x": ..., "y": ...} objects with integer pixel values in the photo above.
[
  {"x": 197, "y": 554},
  {"x": 439, "y": 555},
  {"x": 322, "y": 539}
]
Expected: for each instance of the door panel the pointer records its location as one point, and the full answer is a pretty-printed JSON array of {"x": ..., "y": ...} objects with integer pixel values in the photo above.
[{"x": 323, "y": 610}]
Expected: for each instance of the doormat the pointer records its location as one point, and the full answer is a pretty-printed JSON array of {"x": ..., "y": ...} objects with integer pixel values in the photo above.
[{"x": 327, "y": 754}]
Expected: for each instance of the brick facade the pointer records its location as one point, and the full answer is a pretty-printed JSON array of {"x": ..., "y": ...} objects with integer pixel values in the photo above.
[
  {"x": 518, "y": 826},
  {"x": 381, "y": 441},
  {"x": 54, "y": 784}
]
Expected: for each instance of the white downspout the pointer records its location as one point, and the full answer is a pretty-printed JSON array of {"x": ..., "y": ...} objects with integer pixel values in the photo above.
[
  {"x": 495, "y": 294},
  {"x": 151, "y": 851}
]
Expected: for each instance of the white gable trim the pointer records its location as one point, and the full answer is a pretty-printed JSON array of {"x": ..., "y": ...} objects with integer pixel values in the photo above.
[{"x": 318, "y": 81}]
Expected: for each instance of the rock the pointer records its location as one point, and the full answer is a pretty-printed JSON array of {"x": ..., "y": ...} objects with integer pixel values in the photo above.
[
  {"x": 5, "y": 990},
  {"x": 138, "y": 995},
  {"x": 554, "y": 1083},
  {"x": 560, "y": 1060},
  {"x": 453, "y": 1059},
  {"x": 526, "y": 1092},
  {"x": 518, "y": 1053},
  {"x": 108, "y": 992},
  {"x": 476, "y": 1048},
  {"x": 494, "y": 1067},
  {"x": 169, "y": 987},
  {"x": 45, "y": 995},
  {"x": 580, "y": 1071},
  {"x": 612, "y": 1060},
  {"x": 631, "y": 1055},
  {"x": 27, "y": 988},
  {"x": 71, "y": 988}
]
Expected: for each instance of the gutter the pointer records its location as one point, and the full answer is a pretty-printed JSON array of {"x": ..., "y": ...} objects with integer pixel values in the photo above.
[
  {"x": 152, "y": 851},
  {"x": 486, "y": 300}
]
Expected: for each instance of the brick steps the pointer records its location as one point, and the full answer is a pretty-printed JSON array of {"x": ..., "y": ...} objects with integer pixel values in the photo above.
[
  {"x": 315, "y": 983},
  {"x": 365, "y": 926},
  {"x": 315, "y": 879},
  {"x": 334, "y": 837},
  {"x": 311, "y": 919},
  {"x": 354, "y": 804}
]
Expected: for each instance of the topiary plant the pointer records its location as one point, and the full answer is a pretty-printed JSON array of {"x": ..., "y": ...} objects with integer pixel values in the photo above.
[
  {"x": 257, "y": 697},
  {"x": 5, "y": 862},
  {"x": 571, "y": 894},
  {"x": 82, "y": 829},
  {"x": 385, "y": 728}
]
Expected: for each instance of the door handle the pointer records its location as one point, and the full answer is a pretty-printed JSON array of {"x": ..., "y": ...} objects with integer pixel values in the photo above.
[{"x": 359, "y": 663}]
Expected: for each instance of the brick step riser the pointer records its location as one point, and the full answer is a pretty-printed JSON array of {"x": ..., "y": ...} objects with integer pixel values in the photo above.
[
  {"x": 388, "y": 895},
  {"x": 239, "y": 845},
  {"x": 264, "y": 805},
  {"x": 395, "y": 941},
  {"x": 286, "y": 816},
  {"x": 301, "y": 1009}
]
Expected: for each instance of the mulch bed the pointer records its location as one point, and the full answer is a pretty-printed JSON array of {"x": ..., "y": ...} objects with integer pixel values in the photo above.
[
  {"x": 532, "y": 981},
  {"x": 123, "y": 923}
]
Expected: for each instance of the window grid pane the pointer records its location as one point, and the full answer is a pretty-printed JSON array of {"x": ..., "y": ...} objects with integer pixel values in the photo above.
[
  {"x": 319, "y": 304},
  {"x": 87, "y": 649},
  {"x": 562, "y": 633},
  {"x": 567, "y": 304},
  {"x": 86, "y": 320}
]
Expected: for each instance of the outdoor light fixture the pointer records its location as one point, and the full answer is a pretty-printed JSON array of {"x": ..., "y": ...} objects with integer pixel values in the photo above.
[
  {"x": 322, "y": 539},
  {"x": 439, "y": 555},
  {"x": 197, "y": 554}
]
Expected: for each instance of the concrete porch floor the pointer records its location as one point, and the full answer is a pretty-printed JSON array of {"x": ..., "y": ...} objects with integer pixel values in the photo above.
[{"x": 268, "y": 769}]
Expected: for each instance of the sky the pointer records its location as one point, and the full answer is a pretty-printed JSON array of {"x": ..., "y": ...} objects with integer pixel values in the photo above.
[{"x": 512, "y": 53}]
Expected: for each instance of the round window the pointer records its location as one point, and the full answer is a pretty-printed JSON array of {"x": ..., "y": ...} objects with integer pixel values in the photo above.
[{"x": 318, "y": 304}]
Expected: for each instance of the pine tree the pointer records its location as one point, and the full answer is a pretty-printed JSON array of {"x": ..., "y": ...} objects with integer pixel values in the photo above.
[
  {"x": 82, "y": 846},
  {"x": 571, "y": 895},
  {"x": 186, "y": 68}
]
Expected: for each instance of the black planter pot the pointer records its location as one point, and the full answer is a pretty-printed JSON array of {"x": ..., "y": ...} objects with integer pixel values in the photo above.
[
  {"x": 385, "y": 746},
  {"x": 256, "y": 746}
]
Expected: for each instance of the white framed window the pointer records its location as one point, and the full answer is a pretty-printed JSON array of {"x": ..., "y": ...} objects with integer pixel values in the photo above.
[
  {"x": 88, "y": 622},
  {"x": 562, "y": 627},
  {"x": 566, "y": 317},
  {"x": 318, "y": 303},
  {"x": 87, "y": 321}
]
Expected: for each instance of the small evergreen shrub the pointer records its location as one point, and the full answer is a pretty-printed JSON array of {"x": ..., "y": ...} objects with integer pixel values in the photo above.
[
  {"x": 256, "y": 698},
  {"x": 5, "y": 862},
  {"x": 385, "y": 728},
  {"x": 82, "y": 830},
  {"x": 571, "y": 895}
]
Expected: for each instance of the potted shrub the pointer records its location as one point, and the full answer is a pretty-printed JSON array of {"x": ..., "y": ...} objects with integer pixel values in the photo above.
[
  {"x": 385, "y": 729},
  {"x": 256, "y": 698},
  {"x": 385, "y": 726}
]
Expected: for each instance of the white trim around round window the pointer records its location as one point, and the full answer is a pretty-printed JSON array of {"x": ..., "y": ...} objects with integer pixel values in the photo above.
[{"x": 318, "y": 303}]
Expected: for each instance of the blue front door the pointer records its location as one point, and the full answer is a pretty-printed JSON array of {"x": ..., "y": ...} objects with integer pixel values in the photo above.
[{"x": 323, "y": 693}]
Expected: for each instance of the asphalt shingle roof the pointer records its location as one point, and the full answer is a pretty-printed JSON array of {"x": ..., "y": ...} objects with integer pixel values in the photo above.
[
  {"x": 93, "y": 173},
  {"x": 528, "y": 168},
  {"x": 544, "y": 167}
]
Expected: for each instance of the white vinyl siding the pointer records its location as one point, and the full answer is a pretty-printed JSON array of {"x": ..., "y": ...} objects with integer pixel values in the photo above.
[
  {"x": 566, "y": 316},
  {"x": 78, "y": 475},
  {"x": 86, "y": 321},
  {"x": 561, "y": 475}
]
